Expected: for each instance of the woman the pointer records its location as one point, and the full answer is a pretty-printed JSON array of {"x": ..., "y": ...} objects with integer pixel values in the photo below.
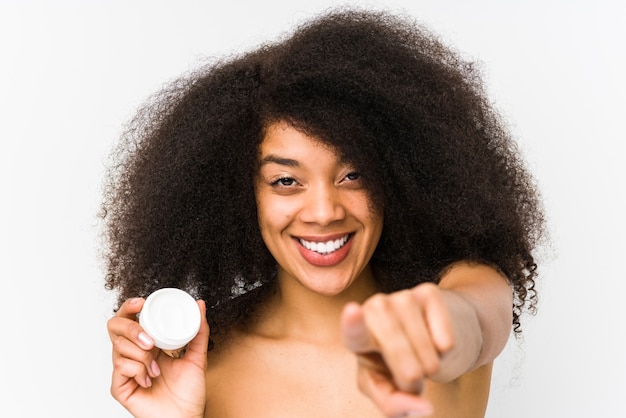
[{"x": 352, "y": 212}]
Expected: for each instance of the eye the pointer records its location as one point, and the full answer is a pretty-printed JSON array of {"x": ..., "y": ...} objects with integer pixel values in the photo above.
[
  {"x": 352, "y": 180},
  {"x": 353, "y": 176},
  {"x": 284, "y": 182}
]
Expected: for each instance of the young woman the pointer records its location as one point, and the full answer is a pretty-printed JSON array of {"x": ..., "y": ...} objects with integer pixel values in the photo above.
[{"x": 353, "y": 214}]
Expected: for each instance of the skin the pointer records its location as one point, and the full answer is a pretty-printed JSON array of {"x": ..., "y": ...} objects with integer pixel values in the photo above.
[{"x": 327, "y": 343}]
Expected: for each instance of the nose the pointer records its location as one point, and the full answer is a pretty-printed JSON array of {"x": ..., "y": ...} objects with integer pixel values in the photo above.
[{"x": 322, "y": 205}]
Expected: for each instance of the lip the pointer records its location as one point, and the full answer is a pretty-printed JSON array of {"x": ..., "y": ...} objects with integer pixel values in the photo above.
[{"x": 324, "y": 260}]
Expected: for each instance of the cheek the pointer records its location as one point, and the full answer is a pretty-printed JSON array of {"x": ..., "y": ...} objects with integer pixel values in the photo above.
[
  {"x": 376, "y": 226},
  {"x": 374, "y": 221},
  {"x": 273, "y": 213},
  {"x": 364, "y": 209}
]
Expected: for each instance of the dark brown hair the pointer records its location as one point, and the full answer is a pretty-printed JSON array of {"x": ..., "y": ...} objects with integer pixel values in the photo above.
[{"x": 408, "y": 112}]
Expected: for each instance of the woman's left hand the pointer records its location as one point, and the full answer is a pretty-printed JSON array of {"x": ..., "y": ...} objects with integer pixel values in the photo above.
[
  {"x": 436, "y": 332},
  {"x": 399, "y": 339}
]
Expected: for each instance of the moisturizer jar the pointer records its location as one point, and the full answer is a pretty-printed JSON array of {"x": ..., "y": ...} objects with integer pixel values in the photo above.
[{"x": 171, "y": 317}]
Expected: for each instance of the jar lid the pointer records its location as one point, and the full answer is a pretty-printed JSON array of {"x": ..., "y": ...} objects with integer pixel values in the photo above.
[{"x": 171, "y": 317}]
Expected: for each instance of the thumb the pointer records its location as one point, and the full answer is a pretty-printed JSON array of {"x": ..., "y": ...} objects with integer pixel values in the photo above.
[
  {"x": 197, "y": 348},
  {"x": 356, "y": 336}
]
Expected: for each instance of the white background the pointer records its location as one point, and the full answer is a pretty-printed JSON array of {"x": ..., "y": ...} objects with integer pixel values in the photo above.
[{"x": 72, "y": 73}]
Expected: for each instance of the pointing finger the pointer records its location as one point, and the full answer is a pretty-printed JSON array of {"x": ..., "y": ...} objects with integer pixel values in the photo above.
[{"x": 356, "y": 336}]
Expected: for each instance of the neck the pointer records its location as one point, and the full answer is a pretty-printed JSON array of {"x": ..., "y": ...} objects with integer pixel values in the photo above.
[{"x": 300, "y": 313}]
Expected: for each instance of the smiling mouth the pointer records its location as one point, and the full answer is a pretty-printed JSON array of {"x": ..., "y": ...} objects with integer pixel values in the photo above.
[{"x": 327, "y": 247}]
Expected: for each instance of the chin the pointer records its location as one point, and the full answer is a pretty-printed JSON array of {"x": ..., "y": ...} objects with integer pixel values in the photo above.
[{"x": 328, "y": 287}]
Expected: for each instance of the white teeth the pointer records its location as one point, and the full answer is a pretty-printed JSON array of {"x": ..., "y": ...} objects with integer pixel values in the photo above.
[{"x": 325, "y": 247}]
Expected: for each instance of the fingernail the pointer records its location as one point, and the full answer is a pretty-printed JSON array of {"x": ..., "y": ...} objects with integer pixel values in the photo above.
[
  {"x": 155, "y": 368},
  {"x": 148, "y": 381},
  {"x": 134, "y": 301},
  {"x": 145, "y": 340}
]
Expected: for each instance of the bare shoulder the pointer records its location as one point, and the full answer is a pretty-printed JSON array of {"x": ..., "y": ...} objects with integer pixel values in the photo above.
[
  {"x": 261, "y": 377},
  {"x": 226, "y": 365}
]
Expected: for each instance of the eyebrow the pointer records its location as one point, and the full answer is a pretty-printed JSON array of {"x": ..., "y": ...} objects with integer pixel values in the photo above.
[{"x": 279, "y": 160}]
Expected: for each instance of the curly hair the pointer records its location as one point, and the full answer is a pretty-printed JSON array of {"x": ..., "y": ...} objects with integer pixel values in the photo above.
[{"x": 410, "y": 113}]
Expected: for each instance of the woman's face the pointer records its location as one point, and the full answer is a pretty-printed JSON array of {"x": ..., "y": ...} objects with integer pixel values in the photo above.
[{"x": 313, "y": 211}]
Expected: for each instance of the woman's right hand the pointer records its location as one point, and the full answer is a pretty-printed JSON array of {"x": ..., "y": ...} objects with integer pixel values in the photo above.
[{"x": 148, "y": 382}]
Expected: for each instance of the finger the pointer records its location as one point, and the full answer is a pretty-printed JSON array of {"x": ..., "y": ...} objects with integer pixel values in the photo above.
[
  {"x": 436, "y": 315},
  {"x": 355, "y": 334},
  {"x": 131, "y": 330},
  {"x": 124, "y": 324},
  {"x": 130, "y": 308},
  {"x": 410, "y": 315},
  {"x": 397, "y": 349},
  {"x": 124, "y": 348},
  {"x": 128, "y": 373},
  {"x": 392, "y": 402},
  {"x": 197, "y": 348}
]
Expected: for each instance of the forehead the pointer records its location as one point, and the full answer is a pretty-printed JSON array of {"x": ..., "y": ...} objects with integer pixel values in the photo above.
[{"x": 283, "y": 139}]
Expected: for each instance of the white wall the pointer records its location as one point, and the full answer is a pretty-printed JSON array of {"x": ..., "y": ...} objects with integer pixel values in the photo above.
[{"x": 71, "y": 74}]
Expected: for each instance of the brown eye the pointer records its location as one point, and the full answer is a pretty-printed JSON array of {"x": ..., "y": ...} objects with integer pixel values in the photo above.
[{"x": 284, "y": 182}]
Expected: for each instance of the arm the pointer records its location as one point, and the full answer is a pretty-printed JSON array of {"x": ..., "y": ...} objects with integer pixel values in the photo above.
[
  {"x": 479, "y": 301},
  {"x": 436, "y": 332}
]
